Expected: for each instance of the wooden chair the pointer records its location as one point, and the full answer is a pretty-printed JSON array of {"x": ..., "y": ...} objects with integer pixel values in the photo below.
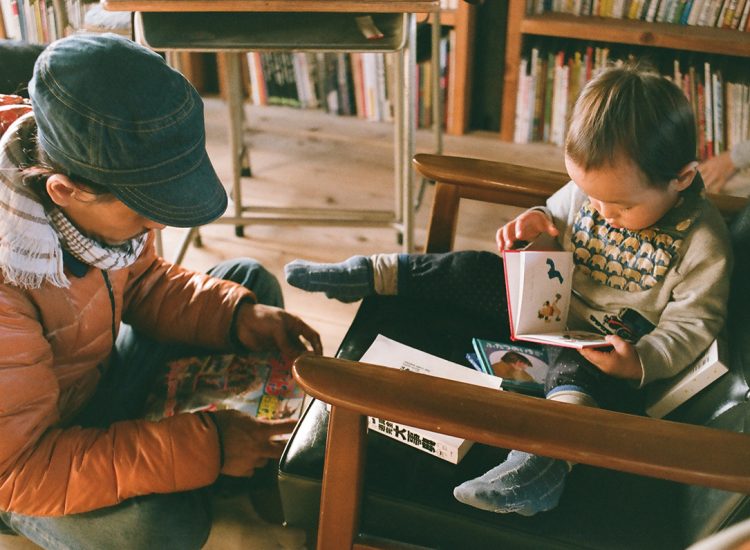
[{"x": 687, "y": 453}]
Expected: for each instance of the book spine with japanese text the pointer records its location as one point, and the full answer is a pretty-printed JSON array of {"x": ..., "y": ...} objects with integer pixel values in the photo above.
[{"x": 446, "y": 447}]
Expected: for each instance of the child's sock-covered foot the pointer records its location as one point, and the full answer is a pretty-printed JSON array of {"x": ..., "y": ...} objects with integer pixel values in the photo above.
[
  {"x": 347, "y": 281},
  {"x": 524, "y": 483}
]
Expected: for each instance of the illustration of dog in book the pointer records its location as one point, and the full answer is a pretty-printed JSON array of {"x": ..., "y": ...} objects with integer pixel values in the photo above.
[
  {"x": 550, "y": 310},
  {"x": 260, "y": 384}
]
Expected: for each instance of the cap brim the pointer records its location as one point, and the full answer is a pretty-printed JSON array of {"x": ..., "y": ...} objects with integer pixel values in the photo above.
[{"x": 193, "y": 199}]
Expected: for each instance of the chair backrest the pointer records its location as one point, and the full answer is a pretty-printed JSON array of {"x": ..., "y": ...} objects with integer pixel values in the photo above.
[{"x": 505, "y": 183}]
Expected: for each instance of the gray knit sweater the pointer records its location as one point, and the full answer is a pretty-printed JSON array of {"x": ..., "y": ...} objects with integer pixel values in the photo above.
[{"x": 675, "y": 274}]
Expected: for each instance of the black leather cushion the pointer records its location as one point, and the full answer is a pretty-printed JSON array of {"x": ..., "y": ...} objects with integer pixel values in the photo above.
[
  {"x": 17, "y": 65},
  {"x": 409, "y": 493}
]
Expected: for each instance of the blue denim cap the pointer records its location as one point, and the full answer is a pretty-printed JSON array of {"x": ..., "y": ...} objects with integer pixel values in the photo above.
[{"x": 114, "y": 113}]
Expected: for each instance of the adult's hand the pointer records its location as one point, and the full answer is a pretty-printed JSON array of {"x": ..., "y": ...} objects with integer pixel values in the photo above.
[
  {"x": 717, "y": 170},
  {"x": 248, "y": 442},
  {"x": 261, "y": 327}
]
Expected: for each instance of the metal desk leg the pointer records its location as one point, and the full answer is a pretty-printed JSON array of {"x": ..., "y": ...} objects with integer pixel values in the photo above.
[
  {"x": 437, "y": 97},
  {"x": 407, "y": 201},
  {"x": 233, "y": 74}
]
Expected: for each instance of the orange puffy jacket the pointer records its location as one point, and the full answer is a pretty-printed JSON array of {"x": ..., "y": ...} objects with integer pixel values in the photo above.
[{"x": 52, "y": 341}]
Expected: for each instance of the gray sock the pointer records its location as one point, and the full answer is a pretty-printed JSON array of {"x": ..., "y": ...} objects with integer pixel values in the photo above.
[
  {"x": 347, "y": 281},
  {"x": 524, "y": 483}
]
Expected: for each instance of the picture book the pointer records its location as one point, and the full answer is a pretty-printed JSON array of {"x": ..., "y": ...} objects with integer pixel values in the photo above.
[
  {"x": 258, "y": 383},
  {"x": 539, "y": 288},
  {"x": 389, "y": 353},
  {"x": 664, "y": 396}
]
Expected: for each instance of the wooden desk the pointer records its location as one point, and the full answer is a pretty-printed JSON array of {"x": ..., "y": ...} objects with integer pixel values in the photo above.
[
  {"x": 402, "y": 216},
  {"x": 337, "y": 6}
]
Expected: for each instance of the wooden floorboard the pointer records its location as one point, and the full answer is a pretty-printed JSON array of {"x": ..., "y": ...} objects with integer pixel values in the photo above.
[{"x": 310, "y": 158}]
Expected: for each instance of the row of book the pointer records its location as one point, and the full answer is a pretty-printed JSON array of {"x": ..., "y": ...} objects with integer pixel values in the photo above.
[
  {"x": 550, "y": 80},
  {"x": 725, "y": 14},
  {"x": 41, "y": 21},
  {"x": 355, "y": 84}
]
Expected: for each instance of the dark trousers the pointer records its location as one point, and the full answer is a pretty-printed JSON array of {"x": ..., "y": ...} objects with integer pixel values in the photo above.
[{"x": 474, "y": 281}]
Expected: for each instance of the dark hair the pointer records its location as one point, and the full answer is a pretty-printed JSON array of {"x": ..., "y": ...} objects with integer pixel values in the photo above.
[
  {"x": 632, "y": 110},
  {"x": 35, "y": 177},
  {"x": 515, "y": 357}
]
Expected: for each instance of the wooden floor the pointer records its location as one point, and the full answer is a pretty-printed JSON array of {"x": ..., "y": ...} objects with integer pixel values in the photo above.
[{"x": 309, "y": 158}]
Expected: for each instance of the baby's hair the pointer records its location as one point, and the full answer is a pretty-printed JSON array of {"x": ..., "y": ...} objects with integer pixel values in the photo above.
[{"x": 632, "y": 110}]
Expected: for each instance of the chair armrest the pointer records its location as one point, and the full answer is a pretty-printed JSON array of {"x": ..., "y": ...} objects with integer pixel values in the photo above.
[
  {"x": 680, "y": 452},
  {"x": 459, "y": 178}
]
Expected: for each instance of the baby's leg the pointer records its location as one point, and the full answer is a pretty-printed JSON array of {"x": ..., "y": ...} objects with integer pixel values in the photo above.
[
  {"x": 526, "y": 483},
  {"x": 468, "y": 279}
]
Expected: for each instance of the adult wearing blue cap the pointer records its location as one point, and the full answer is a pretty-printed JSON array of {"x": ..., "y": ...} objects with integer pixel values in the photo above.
[{"x": 114, "y": 149}]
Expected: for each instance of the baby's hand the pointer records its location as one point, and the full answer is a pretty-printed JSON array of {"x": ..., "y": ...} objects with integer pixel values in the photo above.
[
  {"x": 621, "y": 361},
  {"x": 526, "y": 227}
]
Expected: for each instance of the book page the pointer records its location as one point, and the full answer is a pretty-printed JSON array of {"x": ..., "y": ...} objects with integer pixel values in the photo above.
[
  {"x": 389, "y": 353},
  {"x": 568, "y": 339},
  {"x": 544, "y": 293},
  {"x": 512, "y": 270}
]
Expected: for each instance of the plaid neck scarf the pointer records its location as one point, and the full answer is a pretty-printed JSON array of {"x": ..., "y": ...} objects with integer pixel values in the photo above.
[{"x": 32, "y": 237}]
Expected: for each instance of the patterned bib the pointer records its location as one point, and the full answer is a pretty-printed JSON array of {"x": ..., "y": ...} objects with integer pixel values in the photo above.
[{"x": 634, "y": 260}]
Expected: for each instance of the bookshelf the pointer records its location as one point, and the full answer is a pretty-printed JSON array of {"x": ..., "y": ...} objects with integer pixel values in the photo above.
[
  {"x": 37, "y": 22},
  {"x": 665, "y": 36},
  {"x": 463, "y": 20}
]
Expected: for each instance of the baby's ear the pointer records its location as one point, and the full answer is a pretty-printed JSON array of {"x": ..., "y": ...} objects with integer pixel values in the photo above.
[{"x": 686, "y": 176}]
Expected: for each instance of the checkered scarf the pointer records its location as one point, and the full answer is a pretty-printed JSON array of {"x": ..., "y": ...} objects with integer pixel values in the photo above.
[{"x": 32, "y": 237}]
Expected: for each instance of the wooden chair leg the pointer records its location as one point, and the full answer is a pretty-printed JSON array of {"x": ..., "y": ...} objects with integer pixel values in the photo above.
[{"x": 341, "y": 494}]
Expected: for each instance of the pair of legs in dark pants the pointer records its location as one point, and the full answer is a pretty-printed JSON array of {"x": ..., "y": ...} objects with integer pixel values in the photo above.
[
  {"x": 473, "y": 282},
  {"x": 176, "y": 520}
]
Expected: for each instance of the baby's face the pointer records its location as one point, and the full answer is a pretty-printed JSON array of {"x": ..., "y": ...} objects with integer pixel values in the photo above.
[{"x": 621, "y": 195}]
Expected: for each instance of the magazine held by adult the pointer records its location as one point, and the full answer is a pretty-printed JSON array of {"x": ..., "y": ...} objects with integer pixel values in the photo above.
[{"x": 257, "y": 383}]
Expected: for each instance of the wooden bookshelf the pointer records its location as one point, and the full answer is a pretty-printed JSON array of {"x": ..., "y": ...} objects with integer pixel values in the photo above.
[
  {"x": 459, "y": 91},
  {"x": 707, "y": 40}
]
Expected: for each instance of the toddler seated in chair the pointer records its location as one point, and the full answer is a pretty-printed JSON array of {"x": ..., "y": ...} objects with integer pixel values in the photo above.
[{"x": 645, "y": 238}]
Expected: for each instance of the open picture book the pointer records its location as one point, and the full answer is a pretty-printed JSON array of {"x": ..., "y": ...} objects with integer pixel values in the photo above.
[{"x": 539, "y": 288}]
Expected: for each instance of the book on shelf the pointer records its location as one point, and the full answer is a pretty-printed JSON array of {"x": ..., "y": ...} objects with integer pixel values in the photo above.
[
  {"x": 257, "y": 383},
  {"x": 664, "y": 396},
  {"x": 539, "y": 288},
  {"x": 390, "y": 353}
]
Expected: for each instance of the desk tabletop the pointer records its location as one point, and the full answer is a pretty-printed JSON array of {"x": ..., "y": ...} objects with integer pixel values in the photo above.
[{"x": 341, "y": 6}]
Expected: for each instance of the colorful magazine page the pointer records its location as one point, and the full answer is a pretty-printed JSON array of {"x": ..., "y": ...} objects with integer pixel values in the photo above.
[
  {"x": 259, "y": 384},
  {"x": 539, "y": 288},
  {"x": 513, "y": 361}
]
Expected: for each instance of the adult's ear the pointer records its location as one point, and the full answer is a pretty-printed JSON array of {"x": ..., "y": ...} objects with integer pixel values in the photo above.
[{"x": 61, "y": 189}]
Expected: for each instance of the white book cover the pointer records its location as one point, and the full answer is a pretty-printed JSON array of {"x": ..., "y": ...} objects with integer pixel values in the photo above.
[
  {"x": 389, "y": 353},
  {"x": 539, "y": 289},
  {"x": 665, "y": 396},
  {"x": 10, "y": 18}
]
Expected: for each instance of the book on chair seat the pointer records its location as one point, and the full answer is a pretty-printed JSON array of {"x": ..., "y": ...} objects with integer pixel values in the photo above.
[
  {"x": 389, "y": 353},
  {"x": 664, "y": 396},
  {"x": 539, "y": 288}
]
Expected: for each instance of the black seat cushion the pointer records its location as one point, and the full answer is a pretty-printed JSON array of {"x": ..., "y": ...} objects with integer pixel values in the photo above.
[{"x": 408, "y": 493}]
